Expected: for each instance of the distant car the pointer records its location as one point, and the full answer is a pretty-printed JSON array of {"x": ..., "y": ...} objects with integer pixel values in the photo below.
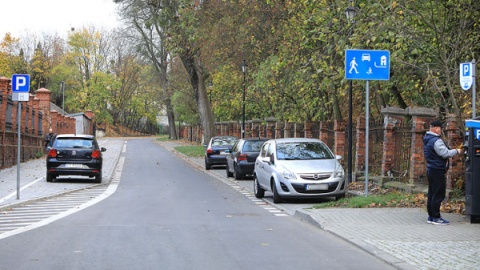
[
  {"x": 217, "y": 149},
  {"x": 241, "y": 160},
  {"x": 74, "y": 154},
  {"x": 298, "y": 168}
]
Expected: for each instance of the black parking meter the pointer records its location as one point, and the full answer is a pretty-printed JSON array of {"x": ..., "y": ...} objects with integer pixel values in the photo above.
[{"x": 472, "y": 170}]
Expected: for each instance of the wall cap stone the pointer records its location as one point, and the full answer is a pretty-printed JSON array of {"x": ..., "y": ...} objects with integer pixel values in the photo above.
[
  {"x": 393, "y": 111},
  {"x": 421, "y": 111}
]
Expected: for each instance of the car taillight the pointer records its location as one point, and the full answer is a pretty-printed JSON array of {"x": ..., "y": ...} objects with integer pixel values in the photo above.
[
  {"x": 52, "y": 153},
  {"x": 96, "y": 154},
  {"x": 209, "y": 151},
  {"x": 242, "y": 157}
]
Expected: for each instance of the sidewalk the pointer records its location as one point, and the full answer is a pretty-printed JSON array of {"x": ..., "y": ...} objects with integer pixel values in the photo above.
[{"x": 398, "y": 236}]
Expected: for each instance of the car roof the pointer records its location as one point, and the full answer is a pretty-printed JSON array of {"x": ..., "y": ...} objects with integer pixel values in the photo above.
[
  {"x": 224, "y": 137},
  {"x": 80, "y": 136},
  {"x": 255, "y": 139},
  {"x": 286, "y": 140}
]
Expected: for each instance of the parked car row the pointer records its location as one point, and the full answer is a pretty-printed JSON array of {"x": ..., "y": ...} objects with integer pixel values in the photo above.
[{"x": 288, "y": 168}]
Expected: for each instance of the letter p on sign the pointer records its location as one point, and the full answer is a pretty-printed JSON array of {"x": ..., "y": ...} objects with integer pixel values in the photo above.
[{"x": 20, "y": 83}]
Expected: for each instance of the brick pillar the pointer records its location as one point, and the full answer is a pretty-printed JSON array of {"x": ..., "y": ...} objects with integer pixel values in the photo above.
[
  {"x": 340, "y": 139},
  {"x": 421, "y": 118},
  {"x": 288, "y": 130},
  {"x": 271, "y": 127},
  {"x": 279, "y": 130},
  {"x": 457, "y": 163},
  {"x": 43, "y": 95},
  {"x": 307, "y": 127},
  {"x": 360, "y": 146},
  {"x": 35, "y": 104},
  {"x": 393, "y": 117},
  {"x": 4, "y": 88},
  {"x": 256, "y": 128},
  {"x": 324, "y": 135}
]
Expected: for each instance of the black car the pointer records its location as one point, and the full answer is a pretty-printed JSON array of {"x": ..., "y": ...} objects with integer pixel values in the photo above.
[
  {"x": 74, "y": 154},
  {"x": 217, "y": 149},
  {"x": 241, "y": 160}
]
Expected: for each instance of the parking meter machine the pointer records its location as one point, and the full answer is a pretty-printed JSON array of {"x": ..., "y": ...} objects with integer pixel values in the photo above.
[{"x": 472, "y": 169}]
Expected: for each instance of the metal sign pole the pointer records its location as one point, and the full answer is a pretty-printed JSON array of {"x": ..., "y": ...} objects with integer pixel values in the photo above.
[
  {"x": 19, "y": 113},
  {"x": 474, "y": 95},
  {"x": 367, "y": 128}
]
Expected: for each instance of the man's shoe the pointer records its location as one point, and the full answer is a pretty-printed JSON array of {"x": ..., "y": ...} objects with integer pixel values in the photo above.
[
  {"x": 430, "y": 219},
  {"x": 440, "y": 221}
]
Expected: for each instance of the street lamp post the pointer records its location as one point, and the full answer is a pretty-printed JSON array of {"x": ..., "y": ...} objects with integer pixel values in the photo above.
[
  {"x": 244, "y": 70},
  {"x": 62, "y": 86},
  {"x": 350, "y": 12}
]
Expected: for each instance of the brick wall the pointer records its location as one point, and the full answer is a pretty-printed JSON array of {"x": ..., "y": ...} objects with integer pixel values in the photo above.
[{"x": 35, "y": 120}]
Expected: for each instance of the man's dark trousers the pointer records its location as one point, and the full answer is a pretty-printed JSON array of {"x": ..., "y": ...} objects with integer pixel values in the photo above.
[{"x": 436, "y": 191}]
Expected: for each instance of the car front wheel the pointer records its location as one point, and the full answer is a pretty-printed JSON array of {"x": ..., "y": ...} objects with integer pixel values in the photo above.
[
  {"x": 276, "y": 196},
  {"x": 227, "y": 170},
  {"x": 257, "y": 189}
]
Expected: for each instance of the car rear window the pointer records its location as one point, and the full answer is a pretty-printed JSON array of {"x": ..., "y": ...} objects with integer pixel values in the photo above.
[
  {"x": 252, "y": 146},
  {"x": 303, "y": 150},
  {"x": 223, "y": 141},
  {"x": 73, "y": 143}
]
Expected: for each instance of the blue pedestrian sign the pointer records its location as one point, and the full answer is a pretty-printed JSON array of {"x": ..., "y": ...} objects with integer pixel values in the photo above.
[
  {"x": 20, "y": 87},
  {"x": 368, "y": 65},
  {"x": 466, "y": 76}
]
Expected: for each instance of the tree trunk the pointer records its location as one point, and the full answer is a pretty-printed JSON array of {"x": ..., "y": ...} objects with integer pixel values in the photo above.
[{"x": 195, "y": 72}]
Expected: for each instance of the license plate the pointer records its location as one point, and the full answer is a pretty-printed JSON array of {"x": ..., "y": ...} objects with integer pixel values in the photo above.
[
  {"x": 317, "y": 187},
  {"x": 78, "y": 166}
]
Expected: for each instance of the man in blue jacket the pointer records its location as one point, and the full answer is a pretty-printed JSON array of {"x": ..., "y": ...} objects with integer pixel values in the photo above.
[{"x": 437, "y": 155}]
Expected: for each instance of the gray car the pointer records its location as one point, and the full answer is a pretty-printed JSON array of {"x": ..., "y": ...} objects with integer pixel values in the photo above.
[{"x": 298, "y": 168}]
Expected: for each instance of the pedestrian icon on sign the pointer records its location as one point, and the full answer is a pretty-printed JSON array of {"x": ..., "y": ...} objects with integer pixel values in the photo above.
[{"x": 353, "y": 66}]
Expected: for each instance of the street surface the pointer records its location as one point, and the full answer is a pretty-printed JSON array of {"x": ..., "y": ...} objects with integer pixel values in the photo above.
[{"x": 163, "y": 213}]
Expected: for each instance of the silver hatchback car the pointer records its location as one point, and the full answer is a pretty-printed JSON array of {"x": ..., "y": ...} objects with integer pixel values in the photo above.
[{"x": 298, "y": 168}]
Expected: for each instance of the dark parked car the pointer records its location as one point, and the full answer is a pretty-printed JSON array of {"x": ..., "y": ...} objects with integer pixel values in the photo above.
[
  {"x": 241, "y": 160},
  {"x": 74, "y": 154},
  {"x": 217, "y": 149}
]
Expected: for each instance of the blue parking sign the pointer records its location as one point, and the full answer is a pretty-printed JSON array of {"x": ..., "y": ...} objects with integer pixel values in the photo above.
[
  {"x": 20, "y": 83},
  {"x": 368, "y": 65}
]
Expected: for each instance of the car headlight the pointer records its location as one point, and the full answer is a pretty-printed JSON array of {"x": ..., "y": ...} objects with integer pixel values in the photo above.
[
  {"x": 288, "y": 175},
  {"x": 339, "y": 172}
]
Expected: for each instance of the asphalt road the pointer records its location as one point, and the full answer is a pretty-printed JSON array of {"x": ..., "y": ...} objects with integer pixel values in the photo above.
[{"x": 166, "y": 214}]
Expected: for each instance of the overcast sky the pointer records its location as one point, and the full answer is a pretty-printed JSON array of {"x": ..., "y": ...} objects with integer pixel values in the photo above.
[{"x": 54, "y": 16}]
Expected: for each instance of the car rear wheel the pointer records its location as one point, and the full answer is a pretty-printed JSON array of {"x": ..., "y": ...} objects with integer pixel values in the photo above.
[
  {"x": 236, "y": 173},
  {"x": 50, "y": 177},
  {"x": 227, "y": 170},
  {"x": 276, "y": 196},
  {"x": 207, "y": 166},
  {"x": 257, "y": 189},
  {"x": 98, "y": 178}
]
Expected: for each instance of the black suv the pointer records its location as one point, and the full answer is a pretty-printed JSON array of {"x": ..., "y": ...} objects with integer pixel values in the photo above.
[{"x": 74, "y": 154}]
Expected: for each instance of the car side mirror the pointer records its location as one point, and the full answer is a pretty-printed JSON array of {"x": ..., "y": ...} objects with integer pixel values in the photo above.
[
  {"x": 338, "y": 157},
  {"x": 103, "y": 149},
  {"x": 271, "y": 159}
]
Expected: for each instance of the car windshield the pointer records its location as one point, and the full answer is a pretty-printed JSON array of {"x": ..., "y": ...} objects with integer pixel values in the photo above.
[
  {"x": 73, "y": 143},
  {"x": 223, "y": 141},
  {"x": 303, "y": 151}
]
